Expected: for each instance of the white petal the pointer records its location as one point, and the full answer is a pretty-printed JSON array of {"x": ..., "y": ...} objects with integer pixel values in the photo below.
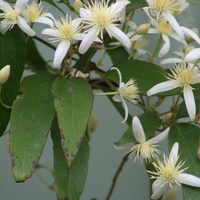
[
  {"x": 138, "y": 130},
  {"x": 44, "y": 20},
  {"x": 159, "y": 137},
  {"x": 189, "y": 102},
  {"x": 193, "y": 55},
  {"x": 4, "y": 6},
  {"x": 85, "y": 14},
  {"x": 173, "y": 156},
  {"x": 25, "y": 27},
  {"x": 165, "y": 48},
  {"x": 171, "y": 60},
  {"x": 188, "y": 179},
  {"x": 174, "y": 24},
  {"x": 158, "y": 190},
  {"x": 119, "y": 35},
  {"x": 4, "y": 26},
  {"x": 191, "y": 33},
  {"x": 50, "y": 32},
  {"x": 126, "y": 110},
  {"x": 120, "y": 76},
  {"x": 88, "y": 40},
  {"x": 20, "y": 5},
  {"x": 162, "y": 87},
  {"x": 117, "y": 98},
  {"x": 60, "y": 53}
]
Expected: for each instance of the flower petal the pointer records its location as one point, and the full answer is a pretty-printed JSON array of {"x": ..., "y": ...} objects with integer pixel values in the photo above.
[
  {"x": 138, "y": 130},
  {"x": 173, "y": 156},
  {"x": 60, "y": 53},
  {"x": 191, "y": 33},
  {"x": 20, "y": 5},
  {"x": 189, "y": 102},
  {"x": 119, "y": 35},
  {"x": 158, "y": 189},
  {"x": 162, "y": 87},
  {"x": 88, "y": 40},
  {"x": 193, "y": 55},
  {"x": 165, "y": 48},
  {"x": 117, "y": 98},
  {"x": 159, "y": 137},
  {"x": 188, "y": 179},
  {"x": 125, "y": 108},
  {"x": 25, "y": 27}
]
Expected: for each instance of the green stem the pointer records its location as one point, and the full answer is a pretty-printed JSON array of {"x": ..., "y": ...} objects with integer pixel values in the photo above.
[
  {"x": 1, "y": 102},
  {"x": 105, "y": 93},
  {"x": 157, "y": 48}
]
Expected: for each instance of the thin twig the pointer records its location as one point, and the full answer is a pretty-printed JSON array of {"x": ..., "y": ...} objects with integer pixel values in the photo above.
[{"x": 124, "y": 159}]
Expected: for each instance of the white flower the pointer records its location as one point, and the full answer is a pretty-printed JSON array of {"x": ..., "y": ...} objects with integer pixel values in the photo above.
[
  {"x": 99, "y": 16},
  {"x": 127, "y": 90},
  {"x": 34, "y": 13},
  {"x": 11, "y": 16},
  {"x": 64, "y": 32},
  {"x": 182, "y": 76},
  {"x": 169, "y": 173},
  {"x": 144, "y": 149},
  {"x": 168, "y": 9},
  {"x": 78, "y": 73}
]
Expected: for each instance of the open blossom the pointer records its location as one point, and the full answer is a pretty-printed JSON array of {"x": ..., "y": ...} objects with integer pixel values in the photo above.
[
  {"x": 182, "y": 76},
  {"x": 64, "y": 31},
  {"x": 11, "y": 16},
  {"x": 168, "y": 9},
  {"x": 99, "y": 16},
  {"x": 34, "y": 13},
  {"x": 170, "y": 173},
  {"x": 143, "y": 149},
  {"x": 127, "y": 90}
]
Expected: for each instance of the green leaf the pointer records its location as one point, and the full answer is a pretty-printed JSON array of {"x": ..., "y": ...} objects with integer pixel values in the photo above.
[
  {"x": 31, "y": 119},
  {"x": 117, "y": 55},
  {"x": 13, "y": 53},
  {"x": 137, "y": 4},
  {"x": 150, "y": 124},
  {"x": 73, "y": 101},
  {"x": 146, "y": 74},
  {"x": 69, "y": 183},
  {"x": 188, "y": 137}
]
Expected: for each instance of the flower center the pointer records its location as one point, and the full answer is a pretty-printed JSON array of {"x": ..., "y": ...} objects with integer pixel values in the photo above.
[
  {"x": 32, "y": 12},
  {"x": 170, "y": 5},
  {"x": 145, "y": 150},
  {"x": 168, "y": 174},
  {"x": 66, "y": 30},
  {"x": 11, "y": 15},
  {"x": 164, "y": 27}
]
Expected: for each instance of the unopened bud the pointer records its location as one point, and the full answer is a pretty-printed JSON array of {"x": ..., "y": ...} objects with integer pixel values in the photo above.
[
  {"x": 92, "y": 123},
  {"x": 77, "y": 5},
  {"x": 143, "y": 29},
  {"x": 198, "y": 152},
  {"x": 172, "y": 193},
  {"x": 4, "y": 74}
]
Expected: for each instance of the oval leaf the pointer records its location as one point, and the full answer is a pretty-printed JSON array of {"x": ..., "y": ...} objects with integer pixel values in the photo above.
[
  {"x": 31, "y": 119},
  {"x": 69, "y": 182},
  {"x": 73, "y": 101}
]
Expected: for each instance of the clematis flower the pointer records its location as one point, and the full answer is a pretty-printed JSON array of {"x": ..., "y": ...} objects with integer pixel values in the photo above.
[
  {"x": 164, "y": 28},
  {"x": 34, "y": 13},
  {"x": 170, "y": 173},
  {"x": 193, "y": 55},
  {"x": 168, "y": 9},
  {"x": 11, "y": 16},
  {"x": 127, "y": 90},
  {"x": 182, "y": 76},
  {"x": 99, "y": 16},
  {"x": 64, "y": 31},
  {"x": 143, "y": 149},
  {"x": 122, "y": 16}
]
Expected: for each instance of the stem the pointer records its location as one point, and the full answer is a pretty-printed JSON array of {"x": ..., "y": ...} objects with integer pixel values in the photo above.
[
  {"x": 156, "y": 49},
  {"x": 124, "y": 159},
  {"x": 105, "y": 93},
  {"x": 44, "y": 42}
]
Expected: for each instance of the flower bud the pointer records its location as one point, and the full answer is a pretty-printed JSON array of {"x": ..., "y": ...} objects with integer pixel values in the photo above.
[
  {"x": 4, "y": 74},
  {"x": 172, "y": 193},
  {"x": 77, "y": 5},
  {"x": 92, "y": 123},
  {"x": 198, "y": 152},
  {"x": 143, "y": 29}
]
